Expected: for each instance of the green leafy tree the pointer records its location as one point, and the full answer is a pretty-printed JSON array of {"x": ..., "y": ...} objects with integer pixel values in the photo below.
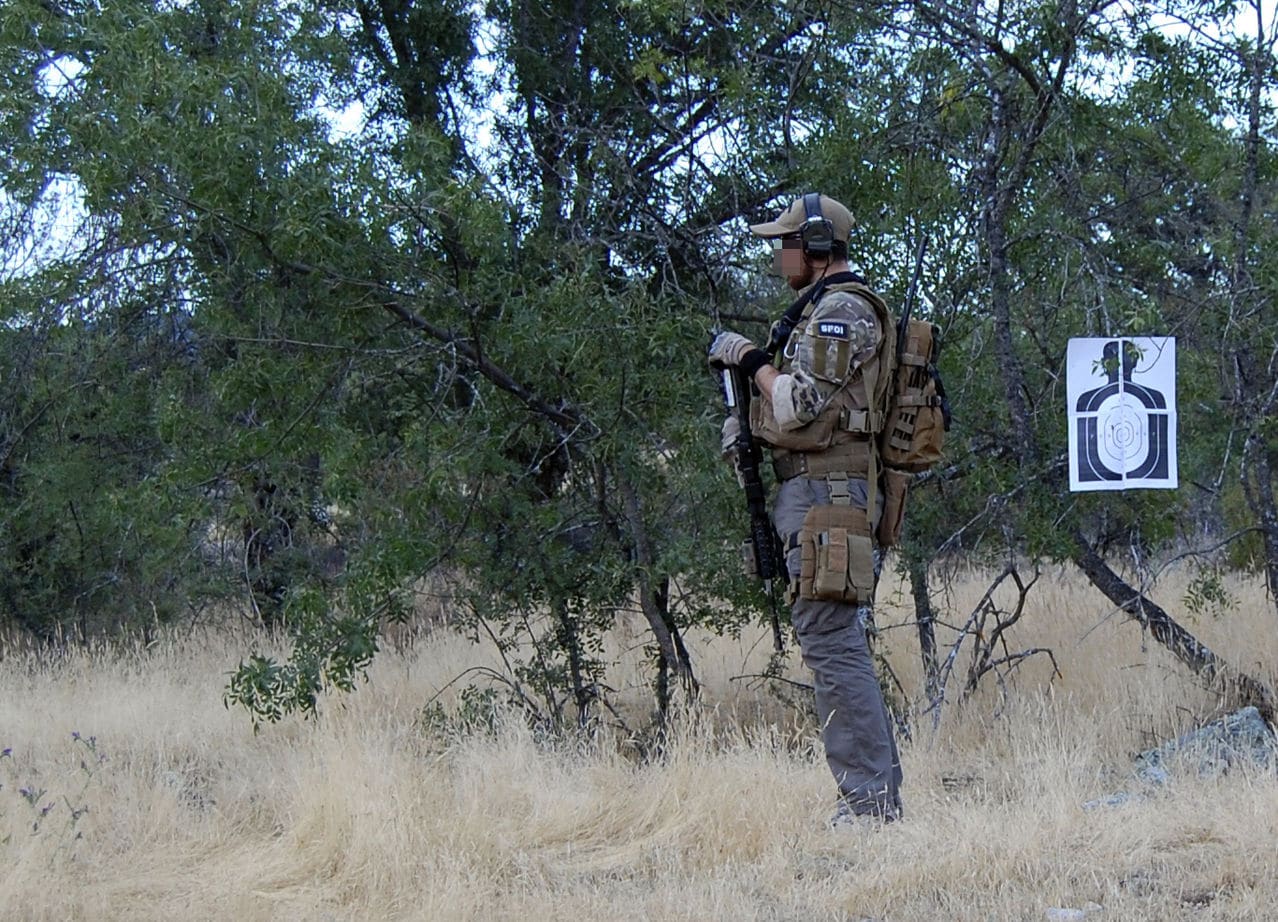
[{"x": 360, "y": 294}]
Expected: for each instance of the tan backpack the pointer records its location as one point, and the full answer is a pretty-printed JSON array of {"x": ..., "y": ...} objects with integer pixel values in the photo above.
[{"x": 918, "y": 416}]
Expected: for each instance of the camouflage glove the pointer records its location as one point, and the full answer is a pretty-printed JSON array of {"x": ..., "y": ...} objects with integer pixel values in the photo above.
[
  {"x": 734, "y": 349},
  {"x": 728, "y": 442}
]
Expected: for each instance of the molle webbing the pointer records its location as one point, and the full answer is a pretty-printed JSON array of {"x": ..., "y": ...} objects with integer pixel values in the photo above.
[
  {"x": 915, "y": 430},
  {"x": 849, "y": 425},
  {"x": 914, "y": 370},
  {"x": 851, "y": 458}
]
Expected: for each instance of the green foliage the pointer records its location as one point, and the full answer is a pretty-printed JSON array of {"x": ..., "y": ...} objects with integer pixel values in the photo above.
[
  {"x": 331, "y": 653},
  {"x": 266, "y": 362},
  {"x": 1208, "y": 595},
  {"x": 476, "y": 712}
]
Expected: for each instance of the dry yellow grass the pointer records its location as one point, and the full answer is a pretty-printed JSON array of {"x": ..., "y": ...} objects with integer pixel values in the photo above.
[{"x": 363, "y": 814}]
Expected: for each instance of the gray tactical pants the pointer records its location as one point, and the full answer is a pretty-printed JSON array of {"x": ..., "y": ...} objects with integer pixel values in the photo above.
[{"x": 860, "y": 747}]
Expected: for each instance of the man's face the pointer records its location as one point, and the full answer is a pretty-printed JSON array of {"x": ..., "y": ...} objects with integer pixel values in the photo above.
[{"x": 788, "y": 261}]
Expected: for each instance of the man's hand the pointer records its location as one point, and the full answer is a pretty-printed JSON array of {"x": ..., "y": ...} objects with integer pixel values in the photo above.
[
  {"x": 728, "y": 442},
  {"x": 734, "y": 349},
  {"x": 730, "y": 448}
]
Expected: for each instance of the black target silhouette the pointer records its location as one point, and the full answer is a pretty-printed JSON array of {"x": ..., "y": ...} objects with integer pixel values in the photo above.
[{"x": 1122, "y": 426}]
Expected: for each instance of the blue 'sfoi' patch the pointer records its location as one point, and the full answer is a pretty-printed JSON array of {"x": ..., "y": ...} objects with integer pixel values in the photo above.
[{"x": 832, "y": 329}]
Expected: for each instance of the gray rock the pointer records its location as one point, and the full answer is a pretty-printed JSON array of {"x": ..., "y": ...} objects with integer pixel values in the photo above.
[
  {"x": 190, "y": 791},
  {"x": 1241, "y": 738}
]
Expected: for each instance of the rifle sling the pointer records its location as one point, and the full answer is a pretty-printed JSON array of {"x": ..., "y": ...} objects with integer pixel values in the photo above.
[{"x": 790, "y": 319}]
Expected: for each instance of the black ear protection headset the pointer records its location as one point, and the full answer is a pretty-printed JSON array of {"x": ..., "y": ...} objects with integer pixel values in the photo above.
[{"x": 816, "y": 233}]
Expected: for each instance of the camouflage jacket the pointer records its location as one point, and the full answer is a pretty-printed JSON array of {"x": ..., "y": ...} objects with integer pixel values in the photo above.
[{"x": 829, "y": 391}]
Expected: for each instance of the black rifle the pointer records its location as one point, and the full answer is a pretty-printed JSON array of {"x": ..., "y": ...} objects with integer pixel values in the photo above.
[{"x": 765, "y": 546}]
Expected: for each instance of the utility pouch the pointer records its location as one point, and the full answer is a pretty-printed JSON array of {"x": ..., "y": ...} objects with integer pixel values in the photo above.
[
  {"x": 896, "y": 488},
  {"x": 836, "y": 556}
]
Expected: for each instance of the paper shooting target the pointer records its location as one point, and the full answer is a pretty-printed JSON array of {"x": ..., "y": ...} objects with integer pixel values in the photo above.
[
  {"x": 1122, "y": 433},
  {"x": 1121, "y": 430}
]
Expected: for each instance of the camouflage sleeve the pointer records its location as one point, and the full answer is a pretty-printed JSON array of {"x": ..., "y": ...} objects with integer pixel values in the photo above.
[{"x": 840, "y": 334}]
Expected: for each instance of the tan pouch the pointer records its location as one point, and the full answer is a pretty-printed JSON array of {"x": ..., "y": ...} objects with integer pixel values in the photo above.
[
  {"x": 837, "y": 556},
  {"x": 896, "y": 488},
  {"x": 914, "y": 434}
]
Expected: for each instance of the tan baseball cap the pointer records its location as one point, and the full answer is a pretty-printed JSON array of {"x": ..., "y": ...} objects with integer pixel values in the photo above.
[{"x": 790, "y": 220}]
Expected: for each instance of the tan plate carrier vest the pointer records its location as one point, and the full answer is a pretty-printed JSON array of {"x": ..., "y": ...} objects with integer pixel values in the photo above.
[
  {"x": 842, "y": 437},
  {"x": 840, "y": 444}
]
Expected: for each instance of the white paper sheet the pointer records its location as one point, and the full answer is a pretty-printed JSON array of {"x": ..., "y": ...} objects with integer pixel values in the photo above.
[{"x": 1122, "y": 413}]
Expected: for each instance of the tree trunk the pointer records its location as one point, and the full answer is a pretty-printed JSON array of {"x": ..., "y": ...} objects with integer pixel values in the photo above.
[
  {"x": 998, "y": 199},
  {"x": 652, "y": 600},
  {"x": 1238, "y": 688},
  {"x": 925, "y": 618},
  {"x": 569, "y": 637},
  {"x": 1255, "y": 408}
]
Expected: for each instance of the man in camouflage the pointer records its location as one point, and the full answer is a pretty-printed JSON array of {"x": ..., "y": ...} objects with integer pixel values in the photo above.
[{"x": 818, "y": 409}]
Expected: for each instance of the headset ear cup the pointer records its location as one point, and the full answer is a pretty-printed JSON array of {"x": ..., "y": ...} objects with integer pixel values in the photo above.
[
  {"x": 817, "y": 233},
  {"x": 818, "y": 238}
]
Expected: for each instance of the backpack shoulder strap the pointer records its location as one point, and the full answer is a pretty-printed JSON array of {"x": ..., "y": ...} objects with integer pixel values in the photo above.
[{"x": 782, "y": 329}]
